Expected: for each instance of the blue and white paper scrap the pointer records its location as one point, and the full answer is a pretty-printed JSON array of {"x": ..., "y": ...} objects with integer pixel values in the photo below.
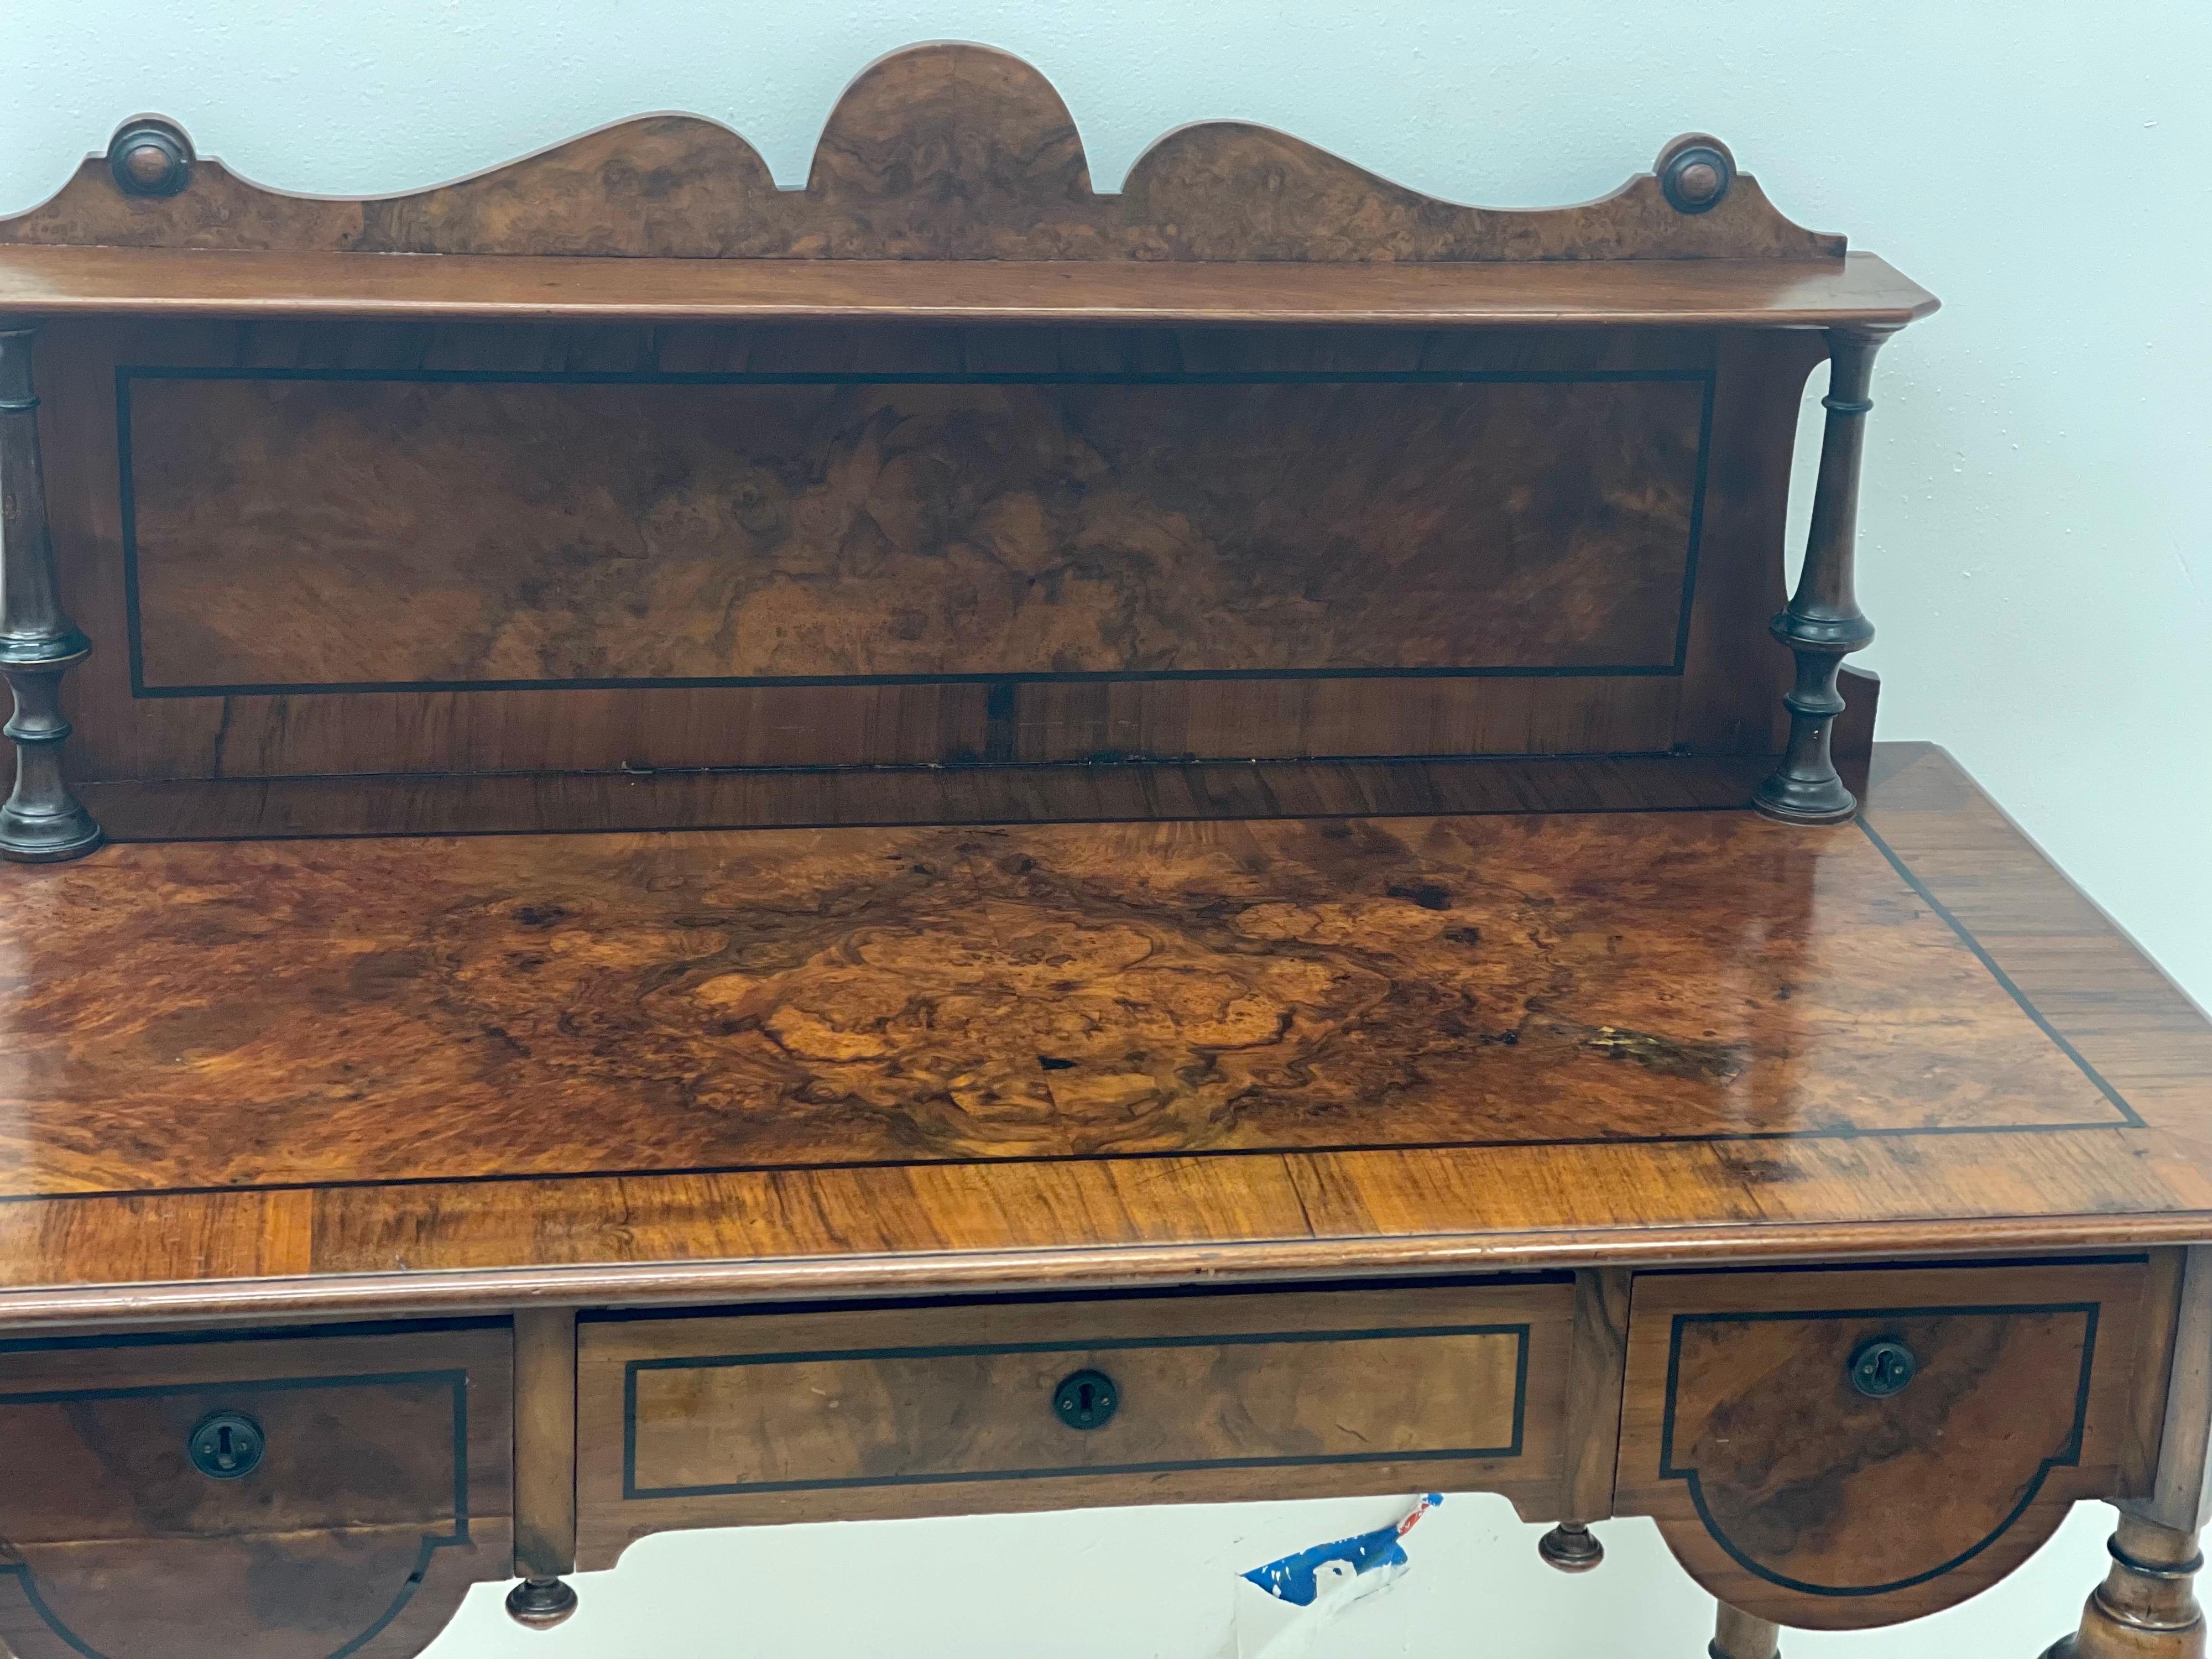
[{"x": 1308, "y": 1591}]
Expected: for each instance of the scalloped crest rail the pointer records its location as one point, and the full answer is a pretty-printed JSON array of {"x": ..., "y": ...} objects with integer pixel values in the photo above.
[{"x": 941, "y": 152}]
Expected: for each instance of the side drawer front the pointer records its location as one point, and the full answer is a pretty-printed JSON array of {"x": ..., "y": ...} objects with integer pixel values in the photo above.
[
  {"x": 372, "y": 1490},
  {"x": 1804, "y": 1497},
  {"x": 722, "y": 1420}
]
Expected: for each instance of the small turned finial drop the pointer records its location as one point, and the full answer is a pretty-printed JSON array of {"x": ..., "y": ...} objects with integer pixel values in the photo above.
[
  {"x": 540, "y": 1603},
  {"x": 1571, "y": 1547},
  {"x": 150, "y": 156},
  {"x": 1695, "y": 172}
]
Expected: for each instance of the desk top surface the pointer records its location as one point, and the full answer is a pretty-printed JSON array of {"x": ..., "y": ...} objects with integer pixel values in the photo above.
[{"x": 317, "y": 1076}]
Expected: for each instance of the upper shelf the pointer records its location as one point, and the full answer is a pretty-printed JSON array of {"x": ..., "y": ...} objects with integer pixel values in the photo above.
[
  {"x": 1858, "y": 289},
  {"x": 950, "y": 185}
]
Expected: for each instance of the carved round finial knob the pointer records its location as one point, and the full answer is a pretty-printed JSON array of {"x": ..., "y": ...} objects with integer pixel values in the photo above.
[
  {"x": 150, "y": 156},
  {"x": 540, "y": 1603},
  {"x": 1699, "y": 182},
  {"x": 1695, "y": 172}
]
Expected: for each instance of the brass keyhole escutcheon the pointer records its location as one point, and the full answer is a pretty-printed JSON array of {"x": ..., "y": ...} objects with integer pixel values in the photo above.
[
  {"x": 1882, "y": 1367},
  {"x": 226, "y": 1446},
  {"x": 1085, "y": 1400}
]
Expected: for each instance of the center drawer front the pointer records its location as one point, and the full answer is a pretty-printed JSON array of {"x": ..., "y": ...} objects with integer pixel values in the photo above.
[{"x": 720, "y": 1420}]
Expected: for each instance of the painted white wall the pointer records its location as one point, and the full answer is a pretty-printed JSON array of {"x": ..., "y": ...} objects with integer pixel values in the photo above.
[{"x": 2034, "y": 545}]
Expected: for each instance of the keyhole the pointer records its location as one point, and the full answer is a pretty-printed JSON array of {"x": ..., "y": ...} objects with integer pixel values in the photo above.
[
  {"x": 226, "y": 1446},
  {"x": 1085, "y": 1400},
  {"x": 1882, "y": 1368}
]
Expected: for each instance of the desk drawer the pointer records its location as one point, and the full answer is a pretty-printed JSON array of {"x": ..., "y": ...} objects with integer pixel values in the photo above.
[
  {"x": 1834, "y": 1449},
  {"x": 291, "y": 1495},
  {"x": 714, "y": 1420}
]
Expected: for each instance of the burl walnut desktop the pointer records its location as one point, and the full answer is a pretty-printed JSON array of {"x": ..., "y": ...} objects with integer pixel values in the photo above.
[{"x": 694, "y": 855}]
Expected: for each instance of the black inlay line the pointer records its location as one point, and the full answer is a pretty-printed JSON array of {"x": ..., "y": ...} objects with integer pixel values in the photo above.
[
  {"x": 2066, "y": 1456},
  {"x": 1697, "y": 526},
  {"x": 929, "y": 377},
  {"x": 135, "y": 638},
  {"x": 2127, "y": 1114},
  {"x": 997, "y": 681},
  {"x": 994, "y": 678},
  {"x": 631, "y": 1490},
  {"x": 2129, "y": 1119},
  {"x": 196, "y": 1338},
  {"x": 456, "y": 1380}
]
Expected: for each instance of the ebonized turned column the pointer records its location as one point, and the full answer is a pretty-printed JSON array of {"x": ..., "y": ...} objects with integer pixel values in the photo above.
[
  {"x": 1822, "y": 623},
  {"x": 41, "y": 821}
]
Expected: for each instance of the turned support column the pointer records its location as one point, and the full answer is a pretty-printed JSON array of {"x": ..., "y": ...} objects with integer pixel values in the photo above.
[
  {"x": 545, "y": 1466},
  {"x": 41, "y": 822},
  {"x": 1822, "y": 623},
  {"x": 2147, "y": 1606},
  {"x": 1737, "y": 1635}
]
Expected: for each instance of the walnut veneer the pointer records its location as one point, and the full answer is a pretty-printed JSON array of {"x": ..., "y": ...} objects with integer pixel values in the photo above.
[{"x": 946, "y": 842}]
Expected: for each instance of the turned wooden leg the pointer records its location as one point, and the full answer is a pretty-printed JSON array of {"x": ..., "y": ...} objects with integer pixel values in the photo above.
[
  {"x": 545, "y": 1466},
  {"x": 1823, "y": 623},
  {"x": 1737, "y": 1635},
  {"x": 40, "y": 822},
  {"x": 2146, "y": 1608}
]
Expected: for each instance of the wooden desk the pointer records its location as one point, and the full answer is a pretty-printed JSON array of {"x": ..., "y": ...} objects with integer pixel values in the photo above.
[{"x": 757, "y": 880}]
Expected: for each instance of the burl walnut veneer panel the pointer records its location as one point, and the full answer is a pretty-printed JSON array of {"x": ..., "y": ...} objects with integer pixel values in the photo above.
[
  {"x": 382, "y": 1494},
  {"x": 1051, "y": 616},
  {"x": 1793, "y": 1495},
  {"x": 849, "y": 997},
  {"x": 205, "y": 1099},
  {"x": 297, "y": 529}
]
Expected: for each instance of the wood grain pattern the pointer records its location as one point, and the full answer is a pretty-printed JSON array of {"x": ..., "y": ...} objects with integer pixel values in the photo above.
[
  {"x": 1005, "y": 1223},
  {"x": 778, "y": 1417},
  {"x": 944, "y": 151},
  {"x": 544, "y": 1442},
  {"x": 1722, "y": 701},
  {"x": 1794, "y": 1498},
  {"x": 161, "y": 283},
  {"x": 2178, "y": 1491},
  {"x": 1153, "y": 790},
  {"x": 382, "y": 1496},
  {"x": 1596, "y": 1372},
  {"x": 516, "y": 531},
  {"x": 850, "y": 997}
]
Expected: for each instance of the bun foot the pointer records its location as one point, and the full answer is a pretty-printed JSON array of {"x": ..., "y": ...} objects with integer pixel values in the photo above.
[
  {"x": 540, "y": 1603},
  {"x": 1571, "y": 1547}
]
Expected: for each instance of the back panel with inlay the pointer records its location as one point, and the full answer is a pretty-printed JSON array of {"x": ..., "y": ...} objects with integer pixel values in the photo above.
[{"x": 320, "y": 551}]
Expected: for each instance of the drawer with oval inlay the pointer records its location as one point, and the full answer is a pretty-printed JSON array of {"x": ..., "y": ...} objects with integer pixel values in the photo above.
[
  {"x": 713, "y": 1420},
  {"x": 293, "y": 1495},
  {"x": 1835, "y": 1450}
]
